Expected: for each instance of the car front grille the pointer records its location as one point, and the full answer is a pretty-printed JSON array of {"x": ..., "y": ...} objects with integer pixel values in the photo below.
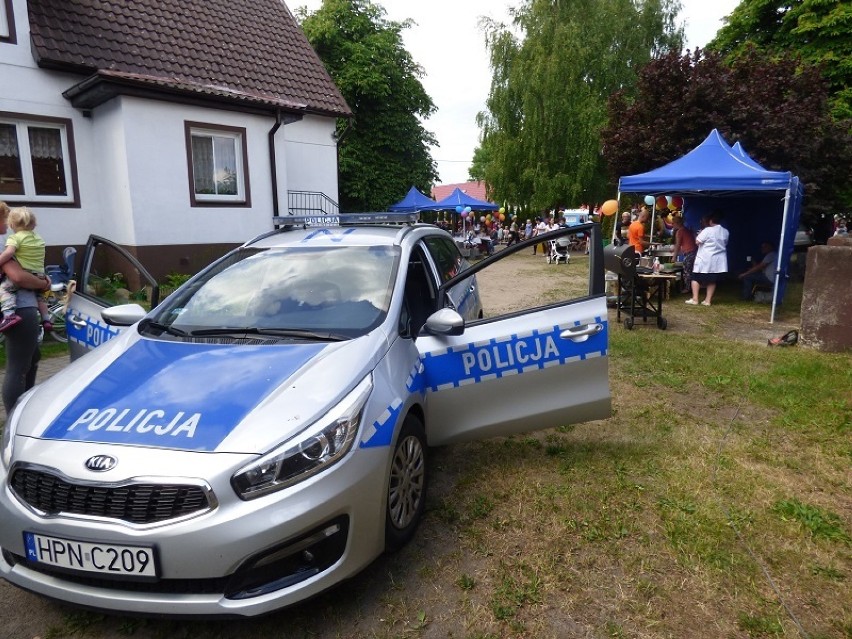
[{"x": 142, "y": 503}]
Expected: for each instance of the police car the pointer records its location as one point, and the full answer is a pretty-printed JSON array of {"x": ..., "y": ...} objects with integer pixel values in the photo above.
[{"x": 262, "y": 433}]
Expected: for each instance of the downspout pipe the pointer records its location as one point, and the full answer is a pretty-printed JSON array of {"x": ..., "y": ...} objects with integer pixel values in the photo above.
[{"x": 273, "y": 164}]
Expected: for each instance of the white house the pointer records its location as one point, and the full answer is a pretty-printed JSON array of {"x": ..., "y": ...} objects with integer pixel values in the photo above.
[{"x": 176, "y": 128}]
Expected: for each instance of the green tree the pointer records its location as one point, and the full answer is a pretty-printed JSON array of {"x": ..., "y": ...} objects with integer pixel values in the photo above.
[
  {"x": 384, "y": 149},
  {"x": 777, "y": 108},
  {"x": 552, "y": 73},
  {"x": 819, "y": 31},
  {"x": 478, "y": 164}
]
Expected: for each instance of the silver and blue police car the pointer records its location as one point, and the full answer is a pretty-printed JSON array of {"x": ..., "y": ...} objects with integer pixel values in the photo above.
[{"x": 262, "y": 434}]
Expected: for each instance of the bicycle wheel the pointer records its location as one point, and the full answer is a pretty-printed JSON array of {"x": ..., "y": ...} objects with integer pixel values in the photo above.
[{"x": 57, "y": 318}]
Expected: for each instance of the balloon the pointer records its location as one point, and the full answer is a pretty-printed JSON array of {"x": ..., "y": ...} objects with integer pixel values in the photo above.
[
  {"x": 662, "y": 202},
  {"x": 467, "y": 209},
  {"x": 481, "y": 218},
  {"x": 649, "y": 200},
  {"x": 503, "y": 216},
  {"x": 609, "y": 207},
  {"x": 488, "y": 217},
  {"x": 502, "y": 210},
  {"x": 459, "y": 209},
  {"x": 677, "y": 201},
  {"x": 668, "y": 201},
  {"x": 463, "y": 213}
]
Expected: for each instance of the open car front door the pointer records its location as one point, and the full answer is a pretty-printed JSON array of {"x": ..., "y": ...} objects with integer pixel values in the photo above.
[
  {"x": 109, "y": 276},
  {"x": 527, "y": 368}
]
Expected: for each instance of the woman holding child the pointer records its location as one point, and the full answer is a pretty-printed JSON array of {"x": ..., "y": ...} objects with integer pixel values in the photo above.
[{"x": 22, "y": 338}]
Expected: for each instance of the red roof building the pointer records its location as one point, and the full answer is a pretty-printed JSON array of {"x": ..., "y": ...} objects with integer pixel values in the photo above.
[{"x": 474, "y": 189}]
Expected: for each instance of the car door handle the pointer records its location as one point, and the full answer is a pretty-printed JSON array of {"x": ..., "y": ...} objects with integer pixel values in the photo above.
[
  {"x": 581, "y": 333},
  {"x": 77, "y": 321}
]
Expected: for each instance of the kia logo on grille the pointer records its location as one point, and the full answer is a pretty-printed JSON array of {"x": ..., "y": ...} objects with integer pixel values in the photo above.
[{"x": 101, "y": 463}]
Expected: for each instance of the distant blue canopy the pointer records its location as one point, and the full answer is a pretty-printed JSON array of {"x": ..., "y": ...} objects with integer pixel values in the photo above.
[
  {"x": 413, "y": 201},
  {"x": 757, "y": 205},
  {"x": 460, "y": 198}
]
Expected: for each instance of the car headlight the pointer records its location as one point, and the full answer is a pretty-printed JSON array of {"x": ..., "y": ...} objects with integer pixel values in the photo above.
[
  {"x": 8, "y": 443},
  {"x": 322, "y": 444}
]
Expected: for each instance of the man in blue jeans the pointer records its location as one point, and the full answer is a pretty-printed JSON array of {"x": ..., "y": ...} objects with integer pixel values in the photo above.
[{"x": 762, "y": 273}]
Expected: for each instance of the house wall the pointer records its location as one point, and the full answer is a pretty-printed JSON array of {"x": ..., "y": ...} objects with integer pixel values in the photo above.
[
  {"x": 132, "y": 168},
  {"x": 311, "y": 156}
]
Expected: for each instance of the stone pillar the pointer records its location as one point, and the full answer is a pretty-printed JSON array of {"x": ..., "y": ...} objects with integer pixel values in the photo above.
[{"x": 827, "y": 297}]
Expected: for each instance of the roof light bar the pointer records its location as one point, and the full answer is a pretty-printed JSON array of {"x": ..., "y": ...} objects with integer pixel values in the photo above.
[{"x": 344, "y": 219}]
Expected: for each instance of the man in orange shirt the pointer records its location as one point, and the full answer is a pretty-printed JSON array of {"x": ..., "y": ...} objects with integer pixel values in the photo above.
[{"x": 636, "y": 232}]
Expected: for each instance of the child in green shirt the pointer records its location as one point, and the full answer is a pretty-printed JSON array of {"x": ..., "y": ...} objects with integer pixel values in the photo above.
[{"x": 26, "y": 246}]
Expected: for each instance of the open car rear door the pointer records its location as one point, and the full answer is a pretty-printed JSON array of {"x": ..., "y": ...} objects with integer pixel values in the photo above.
[{"x": 109, "y": 276}]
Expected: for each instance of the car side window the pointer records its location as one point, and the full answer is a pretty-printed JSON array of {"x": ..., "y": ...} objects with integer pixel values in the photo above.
[
  {"x": 446, "y": 255},
  {"x": 419, "y": 296}
]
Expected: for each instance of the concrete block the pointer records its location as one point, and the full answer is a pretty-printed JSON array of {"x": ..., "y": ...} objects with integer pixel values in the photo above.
[{"x": 827, "y": 297}]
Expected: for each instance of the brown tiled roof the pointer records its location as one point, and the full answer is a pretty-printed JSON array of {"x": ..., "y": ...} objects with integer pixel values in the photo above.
[
  {"x": 473, "y": 189},
  {"x": 243, "y": 50}
]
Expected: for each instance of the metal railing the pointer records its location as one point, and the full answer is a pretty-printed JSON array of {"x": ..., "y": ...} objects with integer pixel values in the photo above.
[{"x": 311, "y": 203}]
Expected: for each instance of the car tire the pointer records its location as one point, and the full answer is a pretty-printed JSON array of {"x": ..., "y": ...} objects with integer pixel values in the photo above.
[{"x": 406, "y": 493}]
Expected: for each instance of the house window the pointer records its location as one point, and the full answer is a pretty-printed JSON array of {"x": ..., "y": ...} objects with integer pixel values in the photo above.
[
  {"x": 218, "y": 165},
  {"x": 36, "y": 160},
  {"x": 7, "y": 22}
]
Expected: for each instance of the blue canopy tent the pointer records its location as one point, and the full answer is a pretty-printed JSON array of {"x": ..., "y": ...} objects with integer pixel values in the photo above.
[
  {"x": 757, "y": 205},
  {"x": 413, "y": 201},
  {"x": 462, "y": 199}
]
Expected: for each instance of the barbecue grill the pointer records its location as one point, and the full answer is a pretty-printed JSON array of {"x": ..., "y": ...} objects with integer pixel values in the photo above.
[{"x": 636, "y": 297}]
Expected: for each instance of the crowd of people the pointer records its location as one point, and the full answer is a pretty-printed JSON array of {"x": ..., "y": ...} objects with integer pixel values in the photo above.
[{"x": 509, "y": 232}]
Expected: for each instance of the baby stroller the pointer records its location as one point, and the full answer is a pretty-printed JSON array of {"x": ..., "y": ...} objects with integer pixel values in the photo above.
[{"x": 559, "y": 251}]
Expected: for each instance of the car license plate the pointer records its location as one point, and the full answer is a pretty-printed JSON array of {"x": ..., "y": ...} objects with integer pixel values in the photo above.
[{"x": 111, "y": 559}]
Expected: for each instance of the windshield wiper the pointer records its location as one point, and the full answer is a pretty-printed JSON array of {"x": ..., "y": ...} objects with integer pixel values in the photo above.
[
  {"x": 273, "y": 332},
  {"x": 171, "y": 330}
]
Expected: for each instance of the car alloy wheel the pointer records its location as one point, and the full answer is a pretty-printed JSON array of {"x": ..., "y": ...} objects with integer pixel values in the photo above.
[{"x": 406, "y": 484}]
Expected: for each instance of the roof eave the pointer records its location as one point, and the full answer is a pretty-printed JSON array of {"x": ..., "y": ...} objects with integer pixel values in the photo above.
[{"x": 104, "y": 85}]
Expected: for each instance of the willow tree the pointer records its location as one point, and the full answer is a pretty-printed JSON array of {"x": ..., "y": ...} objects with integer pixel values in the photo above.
[{"x": 552, "y": 73}]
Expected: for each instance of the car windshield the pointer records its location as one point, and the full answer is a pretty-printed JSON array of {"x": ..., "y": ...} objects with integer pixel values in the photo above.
[{"x": 338, "y": 292}]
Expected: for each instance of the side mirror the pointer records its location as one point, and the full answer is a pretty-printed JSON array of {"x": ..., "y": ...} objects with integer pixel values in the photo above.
[
  {"x": 445, "y": 321},
  {"x": 123, "y": 315}
]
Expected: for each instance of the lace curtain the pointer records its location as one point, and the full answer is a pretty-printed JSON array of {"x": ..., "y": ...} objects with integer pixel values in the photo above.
[
  {"x": 8, "y": 141},
  {"x": 45, "y": 143}
]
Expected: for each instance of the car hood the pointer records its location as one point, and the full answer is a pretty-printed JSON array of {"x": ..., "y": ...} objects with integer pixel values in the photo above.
[{"x": 200, "y": 396}]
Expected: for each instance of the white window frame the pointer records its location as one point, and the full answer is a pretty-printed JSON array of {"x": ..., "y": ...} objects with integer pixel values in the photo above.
[
  {"x": 238, "y": 136},
  {"x": 5, "y": 21},
  {"x": 25, "y": 157}
]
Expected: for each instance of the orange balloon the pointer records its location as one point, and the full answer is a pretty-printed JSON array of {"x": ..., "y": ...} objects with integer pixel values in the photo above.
[{"x": 609, "y": 207}]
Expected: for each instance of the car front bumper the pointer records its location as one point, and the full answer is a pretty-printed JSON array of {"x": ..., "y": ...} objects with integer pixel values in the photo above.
[{"x": 240, "y": 558}]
